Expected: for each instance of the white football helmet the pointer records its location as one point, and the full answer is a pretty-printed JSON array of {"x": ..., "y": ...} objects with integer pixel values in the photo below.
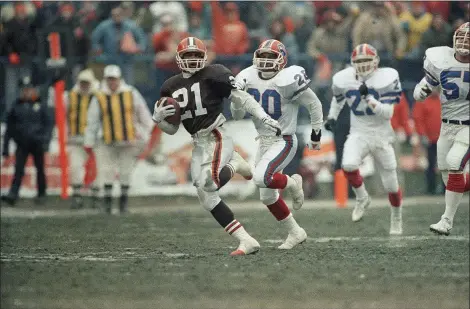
[
  {"x": 365, "y": 60},
  {"x": 462, "y": 39}
]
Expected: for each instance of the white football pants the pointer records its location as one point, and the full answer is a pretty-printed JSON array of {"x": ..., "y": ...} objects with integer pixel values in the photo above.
[
  {"x": 358, "y": 146},
  {"x": 211, "y": 153},
  {"x": 274, "y": 153},
  {"x": 453, "y": 151},
  {"x": 112, "y": 159},
  {"x": 77, "y": 159}
]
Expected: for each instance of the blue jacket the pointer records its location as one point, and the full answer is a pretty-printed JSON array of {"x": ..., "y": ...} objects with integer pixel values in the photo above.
[
  {"x": 107, "y": 37},
  {"x": 28, "y": 122}
]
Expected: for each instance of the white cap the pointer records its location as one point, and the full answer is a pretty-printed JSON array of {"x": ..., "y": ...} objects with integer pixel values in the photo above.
[
  {"x": 112, "y": 71},
  {"x": 86, "y": 76}
]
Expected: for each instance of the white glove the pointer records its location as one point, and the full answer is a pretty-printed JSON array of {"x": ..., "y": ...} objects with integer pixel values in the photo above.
[
  {"x": 272, "y": 125},
  {"x": 160, "y": 112},
  {"x": 421, "y": 93}
]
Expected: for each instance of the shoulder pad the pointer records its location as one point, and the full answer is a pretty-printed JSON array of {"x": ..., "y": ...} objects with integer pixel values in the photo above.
[
  {"x": 344, "y": 76},
  {"x": 383, "y": 78},
  {"x": 215, "y": 70},
  {"x": 244, "y": 76},
  {"x": 292, "y": 81},
  {"x": 439, "y": 56}
]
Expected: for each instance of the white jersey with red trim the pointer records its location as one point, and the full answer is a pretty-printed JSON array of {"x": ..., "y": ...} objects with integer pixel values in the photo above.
[
  {"x": 276, "y": 95},
  {"x": 384, "y": 84},
  {"x": 453, "y": 80}
]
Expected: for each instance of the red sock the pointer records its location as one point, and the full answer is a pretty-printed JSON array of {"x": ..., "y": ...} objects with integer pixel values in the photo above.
[
  {"x": 279, "y": 181},
  {"x": 279, "y": 209},
  {"x": 354, "y": 178},
  {"x": 395, "y": 198},
  {"x": 456, "y": 183},
  {"x": 467, "y": 182}
]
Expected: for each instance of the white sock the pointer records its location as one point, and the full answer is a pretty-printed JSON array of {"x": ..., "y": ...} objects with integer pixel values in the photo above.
[
  {"x": 452, "y": 203},
  {"x": 360, "y": 192},
  {"x": 396, "y": 211},
  {"x": 241, "y": 234},
  {"x": 289, "y": 223}
]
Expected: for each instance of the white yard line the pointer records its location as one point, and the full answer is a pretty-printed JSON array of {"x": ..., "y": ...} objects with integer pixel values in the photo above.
[
  {"x": 378, "y": 239},
  {"x": 11, "y": 212}
]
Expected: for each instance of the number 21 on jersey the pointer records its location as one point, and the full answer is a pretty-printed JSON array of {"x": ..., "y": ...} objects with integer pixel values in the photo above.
[{"x": 182, "y": 96}]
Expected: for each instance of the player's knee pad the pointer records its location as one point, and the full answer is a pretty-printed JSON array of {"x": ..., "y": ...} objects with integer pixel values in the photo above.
[
  {"x": 389, "y": 180},
  {"x": 208, "y": 200},
  {"x": 354, "y": 177},
  {"x": 456, "y": 182},
  {"x": 458, "y": 156},
  {"x": 268, "y": 196}
]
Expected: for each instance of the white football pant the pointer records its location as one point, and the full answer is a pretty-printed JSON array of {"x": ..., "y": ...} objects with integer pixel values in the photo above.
[
  {"x": 453, "y": 151},
  {"x": 212, "y": 151},
  {"x": 112, "y": 159},
  {"x": 358, "y": 146},
  {"x": 77, "y": 159},
  {"x": 274, "y": 154}
]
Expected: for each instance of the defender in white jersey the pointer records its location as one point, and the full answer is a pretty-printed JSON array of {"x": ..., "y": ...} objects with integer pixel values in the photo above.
[
  {"x": 371, "y": 92},
  {"x": 279, "y": 90},
  {"x": 447, "y": 71}
]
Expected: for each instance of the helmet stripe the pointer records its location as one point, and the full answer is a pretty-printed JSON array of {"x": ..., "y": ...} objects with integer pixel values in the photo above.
[{"x": 191, "y": 41}]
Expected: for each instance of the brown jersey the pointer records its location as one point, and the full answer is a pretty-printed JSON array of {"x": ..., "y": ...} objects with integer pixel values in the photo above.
[{"x": 201, "y": 95}]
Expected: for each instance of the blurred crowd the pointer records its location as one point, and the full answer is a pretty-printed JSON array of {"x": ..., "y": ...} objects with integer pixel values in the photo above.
[{"x": 120, "y": 32}]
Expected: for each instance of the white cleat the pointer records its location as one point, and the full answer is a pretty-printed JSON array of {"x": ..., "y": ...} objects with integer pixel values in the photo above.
[
  {"x": 297, "y": 192},
  {"x": 396, "y": 224},
  {"x": 241, "y": 166},
  {"x": 247, "y": 246},
  {"x": 360, "y": 208},
  {"x": 442, "y": 227},
  {"x": 293, "y": 239}
]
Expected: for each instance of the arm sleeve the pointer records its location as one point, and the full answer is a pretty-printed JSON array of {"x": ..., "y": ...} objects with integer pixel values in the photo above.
[
  {"x": 431, "y": 73},
  {"x": 93, "y": 123},
  {"x": 423, "y": 83},
  {"x": 223, "y": 81},
  {"x": 48, "y": 122},
  {"x": 310, "y": 100},
  {"x": 246, "y": 101},
  {"x": 142, "y": 112},
  {"x": 337, "y": 103},
  {"x": 237, "y": 111}
]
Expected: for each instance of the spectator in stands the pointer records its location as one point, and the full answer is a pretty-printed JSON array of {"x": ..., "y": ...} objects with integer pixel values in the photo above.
[
  {"x": 427, "y": 117},
  {"x": 118, "y": 39},
  {"x": 164, "y": 46},
  {"x": 414, "y": 23},
  {"x": 68, "y": 24},
  {"x": 439, "y": 34},
  {"x": 229, "y": 33},
  {"x": 174, "y": 9},
  {"x": 30, "y": 125},
  {"x": 20, "y": 39},
  {"x": 278, "y": 31},
  {"x": 377, "y": 26},
  {"x": 87, "y": 17},
  {"x": 293, "y": 12},
  {"x": 197, "y": 28},
  {"x": 302, "y": 33},
  {"x": 330, "y": 37}
]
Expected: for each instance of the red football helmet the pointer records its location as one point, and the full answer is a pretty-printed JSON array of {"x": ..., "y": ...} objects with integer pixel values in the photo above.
[
  {"x": 271, "y": 56},
  {"x": 462, "y": 39},
  {"x": 365, "y": 59},
  {"x": 191, "y": 55}
]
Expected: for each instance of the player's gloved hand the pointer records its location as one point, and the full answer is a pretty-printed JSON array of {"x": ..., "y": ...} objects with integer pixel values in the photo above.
[
  {"x": 363, "y": 90},
  {"x": 314, "y": 143},
  {"x": 272, "y": 125},
  {"x": 330, "y": 125},
  {"x": 424, "y": 92},
  {"x": 160, "y": 112}
]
